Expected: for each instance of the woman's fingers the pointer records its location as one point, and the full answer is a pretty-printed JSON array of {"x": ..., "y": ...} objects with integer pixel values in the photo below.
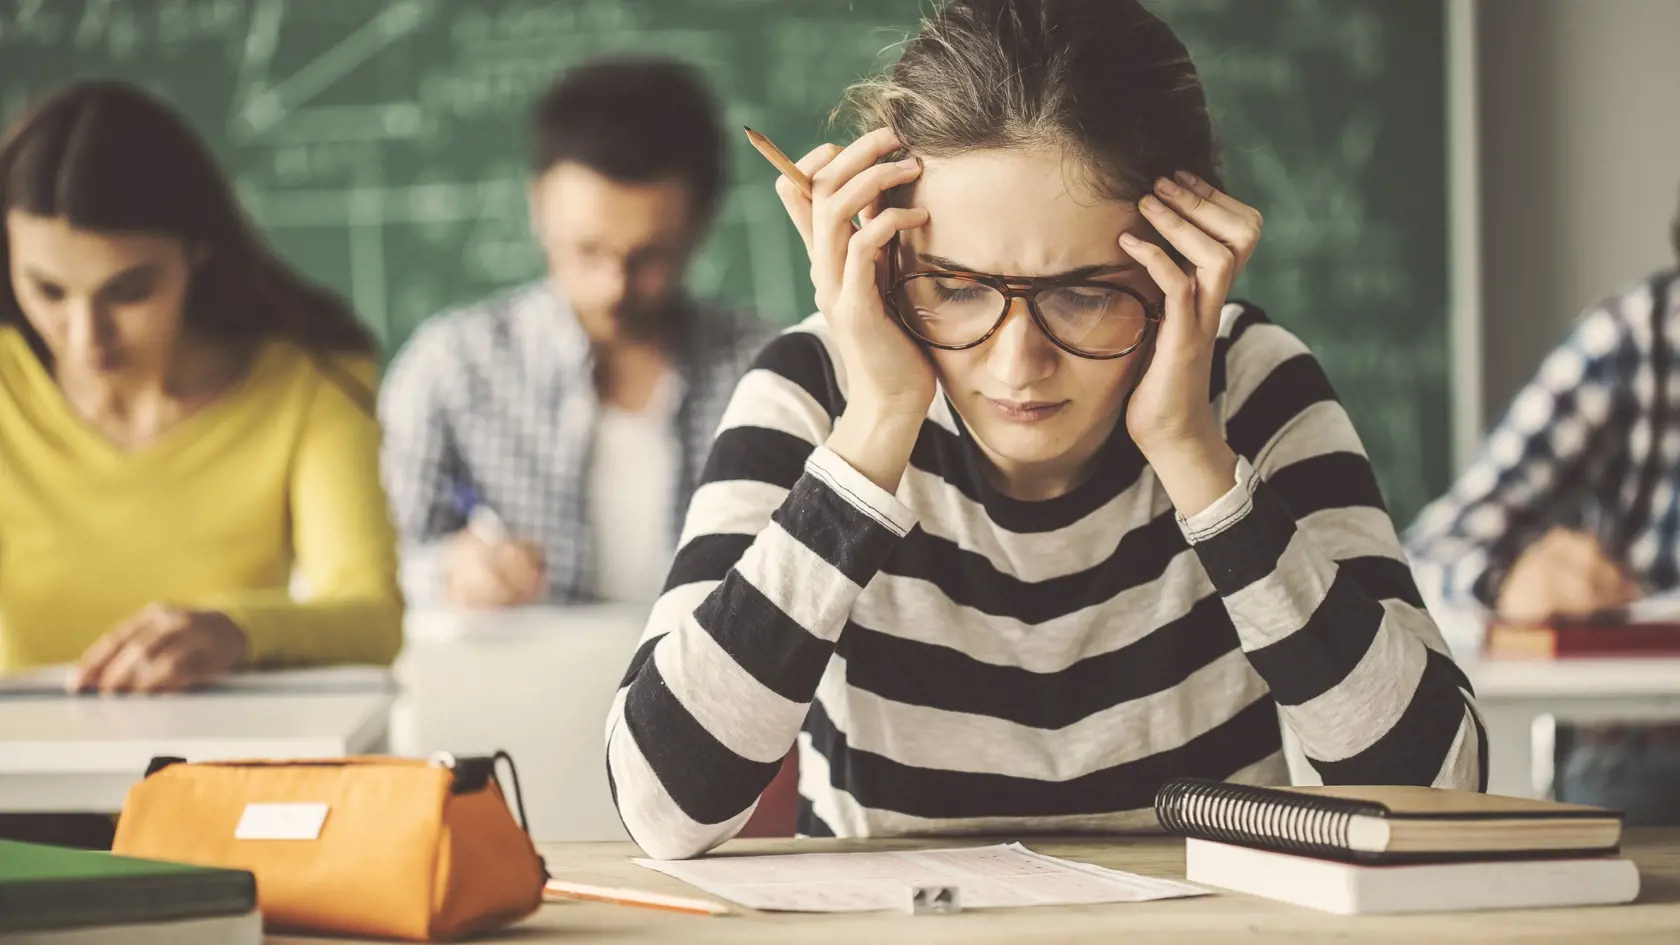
[
  {"x": 797, "y": 204},
  {"x": 1177, "y": 287},
  {"x": 1219, "y": 197},
  {"x": 124, "y": 669},
  {"x": 1235, "y": 225},
  {"x": 95, "y": 664},
  {"x": 832, "y": 220},
  {"x": 861, "y": 193},
  {"x": 865, "y": 246},
  {"x": 845, "y": 186},
  {"x": 853, "y": 160},
  {"x": 1215, "y": 263},
  {"x": 92, "y": 665},
  {"x": 158, "y": 630},
  {"x": 171, "y": 669},
  {"x": 870, "y": 212}
]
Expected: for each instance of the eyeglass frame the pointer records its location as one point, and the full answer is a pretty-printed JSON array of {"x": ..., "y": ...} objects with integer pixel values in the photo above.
[{"x": 1027, "y": 288}]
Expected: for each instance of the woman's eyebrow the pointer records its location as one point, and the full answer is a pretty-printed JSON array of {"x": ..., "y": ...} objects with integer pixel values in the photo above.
[
  {"x": 1083, "y": 272},
  {"x": 133, "y": 273}
]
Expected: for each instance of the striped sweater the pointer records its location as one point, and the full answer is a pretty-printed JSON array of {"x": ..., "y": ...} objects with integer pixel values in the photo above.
[{"x": 951, "y": 660}]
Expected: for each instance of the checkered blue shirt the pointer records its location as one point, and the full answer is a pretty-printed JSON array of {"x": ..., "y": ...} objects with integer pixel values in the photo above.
[
  {"x": 499, "y": 399},
  {"x": 1572, "y": 450}
]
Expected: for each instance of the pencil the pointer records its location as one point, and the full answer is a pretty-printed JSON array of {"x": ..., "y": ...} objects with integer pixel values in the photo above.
[
  {"x": 634, "y": 897},
  {"x": 775, "y": 156}
]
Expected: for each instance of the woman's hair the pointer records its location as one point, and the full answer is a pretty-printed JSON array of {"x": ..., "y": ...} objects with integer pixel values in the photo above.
[
  {"x": 1106, "y": 80},
  {"x": 104, "y": 155}
]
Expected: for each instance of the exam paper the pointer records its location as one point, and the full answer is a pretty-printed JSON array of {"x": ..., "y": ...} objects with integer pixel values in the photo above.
[
  {"x": 995, "y": 877},
  {"x": 1656, "y": 608}
]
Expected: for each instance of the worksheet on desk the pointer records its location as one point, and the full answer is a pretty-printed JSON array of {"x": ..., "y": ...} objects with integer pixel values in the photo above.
[
  {"x": 1001, "y": 876},
  {"x": 1656, "y": 608}
]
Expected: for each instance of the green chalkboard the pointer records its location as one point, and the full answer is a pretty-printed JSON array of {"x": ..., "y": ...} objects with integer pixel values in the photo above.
[{"x": 380, "y": 143}]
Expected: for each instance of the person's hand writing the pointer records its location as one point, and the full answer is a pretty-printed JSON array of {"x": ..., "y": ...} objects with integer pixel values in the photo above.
[
  {"x": 478, "y": 573},
  {"x": 1566, "y": 573},
  {"x": 161, "y": 649},
  {"x": 890, "y": 378}
]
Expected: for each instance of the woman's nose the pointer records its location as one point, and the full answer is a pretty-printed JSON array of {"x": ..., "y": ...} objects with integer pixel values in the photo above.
[{"x": 1021, "y": 354}]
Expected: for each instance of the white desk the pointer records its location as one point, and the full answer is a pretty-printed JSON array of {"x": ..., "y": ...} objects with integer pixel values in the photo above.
[
  {"x": 535, "y": 682},
  {"x": 72, "y": 754},
  {"x": 1521, "y": 699}
]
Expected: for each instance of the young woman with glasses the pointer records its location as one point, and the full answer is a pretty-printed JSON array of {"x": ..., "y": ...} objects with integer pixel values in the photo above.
[{"x": 1030, "y": 518}]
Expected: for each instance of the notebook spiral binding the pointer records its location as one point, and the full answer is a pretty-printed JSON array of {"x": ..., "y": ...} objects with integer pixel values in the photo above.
[{"x": 1257, "y": 817}]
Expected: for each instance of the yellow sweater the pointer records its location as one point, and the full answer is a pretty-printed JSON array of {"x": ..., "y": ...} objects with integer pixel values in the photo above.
[{"x": 281, "y": 471}]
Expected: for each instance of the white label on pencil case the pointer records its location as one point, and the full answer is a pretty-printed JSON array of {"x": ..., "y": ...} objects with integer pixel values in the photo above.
[{"x": 281, "y": 822}]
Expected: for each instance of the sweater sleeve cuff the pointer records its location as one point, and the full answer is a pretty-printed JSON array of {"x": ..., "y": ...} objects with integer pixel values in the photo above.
[
  {"x": 860, "y": 492},
  {"x": 1227, "y": 510}
]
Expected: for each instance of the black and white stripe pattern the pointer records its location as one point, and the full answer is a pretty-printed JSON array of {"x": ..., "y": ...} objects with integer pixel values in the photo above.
[{"x": 951, "y": 660}]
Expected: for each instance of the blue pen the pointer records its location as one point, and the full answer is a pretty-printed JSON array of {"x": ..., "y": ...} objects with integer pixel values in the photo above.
[{"x": 482, "y": 520}]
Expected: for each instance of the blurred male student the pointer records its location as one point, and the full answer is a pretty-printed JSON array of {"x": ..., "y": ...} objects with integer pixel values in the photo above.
[
  {"x": 1572, "y": 507},
  {"x": 567, "y": 419}
]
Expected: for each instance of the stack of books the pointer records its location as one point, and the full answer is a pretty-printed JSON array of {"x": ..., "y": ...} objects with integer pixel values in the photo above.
[
  {"x": 58, "y": 896},
  {"x": 1359, "y": 850}
]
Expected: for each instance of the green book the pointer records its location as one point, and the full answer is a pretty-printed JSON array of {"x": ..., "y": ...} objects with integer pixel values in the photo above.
[{"x": 44, "y": 887}]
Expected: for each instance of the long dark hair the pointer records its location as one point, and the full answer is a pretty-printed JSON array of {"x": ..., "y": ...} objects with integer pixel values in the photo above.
[{"x": 104, "y": 155}]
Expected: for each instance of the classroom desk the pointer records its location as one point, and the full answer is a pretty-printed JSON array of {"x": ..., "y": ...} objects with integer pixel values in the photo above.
[
  {"x": 1226, "y": 917},
  {"x": 80, "y": 754},
  {"x": 536, "y": 682},
  {"x": 1521, "y": 699}
]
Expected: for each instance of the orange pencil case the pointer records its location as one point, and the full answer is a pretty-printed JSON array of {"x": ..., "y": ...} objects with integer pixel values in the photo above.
[{"x": 373, "y": 846}]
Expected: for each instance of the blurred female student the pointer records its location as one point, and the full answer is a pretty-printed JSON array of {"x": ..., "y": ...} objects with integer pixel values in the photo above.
[
  {"x": 183, "y": 420},
  {"x": 1029, "y": 518}
]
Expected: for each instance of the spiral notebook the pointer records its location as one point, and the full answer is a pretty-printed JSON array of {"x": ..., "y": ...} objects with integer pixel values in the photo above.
[{"x": 1385, "y": 823}]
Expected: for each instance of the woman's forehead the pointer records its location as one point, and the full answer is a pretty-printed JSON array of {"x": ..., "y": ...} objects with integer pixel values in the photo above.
[
  {"x": 1030, "y": 212},
  {"x": 53, "y": 247}
]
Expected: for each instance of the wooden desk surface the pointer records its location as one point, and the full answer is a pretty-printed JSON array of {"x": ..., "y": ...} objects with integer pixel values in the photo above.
[{"x": 1225, "y": 917}]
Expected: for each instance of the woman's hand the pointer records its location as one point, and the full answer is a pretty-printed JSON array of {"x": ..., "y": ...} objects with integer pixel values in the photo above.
[
  {"x": 161, "y": 649},
  {"x": 1169, "y": 416},
  {"x": 890, "y": 380}
]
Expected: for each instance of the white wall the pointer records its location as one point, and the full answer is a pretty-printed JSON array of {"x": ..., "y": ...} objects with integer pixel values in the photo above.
[{"x": 1578, "y": 109}]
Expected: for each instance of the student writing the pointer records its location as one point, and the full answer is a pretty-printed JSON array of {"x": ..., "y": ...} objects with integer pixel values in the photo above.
[
  {"x": 183, "y": 420},
  {"x": 577, "y": 408},
  {"x": 1573, "y": 507}
]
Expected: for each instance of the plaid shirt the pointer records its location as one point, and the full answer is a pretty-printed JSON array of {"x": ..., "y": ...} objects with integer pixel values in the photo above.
[
  {"x": 1574, "y": 449},
  {"x": 500, "y": 398}
]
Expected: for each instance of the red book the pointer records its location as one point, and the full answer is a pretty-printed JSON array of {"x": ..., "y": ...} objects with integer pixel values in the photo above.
[{"x": 1597, "y": 637}]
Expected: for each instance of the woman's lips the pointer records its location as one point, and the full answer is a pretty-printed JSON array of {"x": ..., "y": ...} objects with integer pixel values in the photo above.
[{"x": 1027, "y": 411}]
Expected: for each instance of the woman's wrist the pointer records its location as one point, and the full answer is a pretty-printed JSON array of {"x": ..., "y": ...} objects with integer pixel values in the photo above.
[
  {"x": 876, "y": 442},
  {"x": 1194, "y": 472}
]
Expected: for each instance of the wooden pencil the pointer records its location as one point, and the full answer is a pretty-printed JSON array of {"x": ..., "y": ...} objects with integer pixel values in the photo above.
[
  {"x": 775, "y": 156},
  {"x": 633, "y": 897}
]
